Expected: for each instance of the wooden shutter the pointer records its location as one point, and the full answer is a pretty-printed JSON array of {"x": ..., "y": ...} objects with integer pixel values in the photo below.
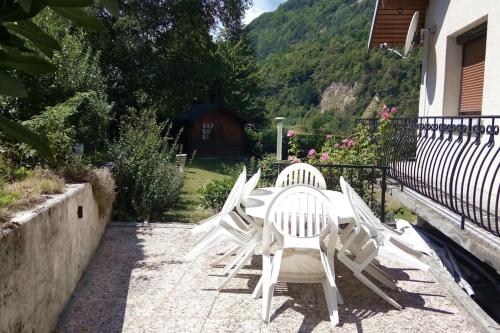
[{"x": 472, "y": 77}]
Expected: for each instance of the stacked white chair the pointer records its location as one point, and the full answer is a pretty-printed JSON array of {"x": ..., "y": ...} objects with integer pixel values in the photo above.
[
  {"x": 366, "y": 240},
  {"x": 301, "y": 217},
  {"x": 215, "y": 226},
  {"x": 301, "y": 173},
  {"x": 253, "y": 229},
  {"x": 232, "y": 225}
]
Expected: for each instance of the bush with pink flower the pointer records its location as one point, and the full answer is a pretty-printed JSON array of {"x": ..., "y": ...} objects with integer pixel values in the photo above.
[{"x": 363, "y": 147}]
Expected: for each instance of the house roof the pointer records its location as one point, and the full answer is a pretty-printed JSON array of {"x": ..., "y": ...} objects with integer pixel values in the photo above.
[
  {"x": 199, "y": 110},
  {"x": 391, "y": 20}
]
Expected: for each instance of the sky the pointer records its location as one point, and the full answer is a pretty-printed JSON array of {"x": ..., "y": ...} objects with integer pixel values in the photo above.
[{"x": 261, "y": 6}]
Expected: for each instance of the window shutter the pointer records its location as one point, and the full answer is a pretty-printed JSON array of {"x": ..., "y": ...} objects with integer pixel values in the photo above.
[{"x": 472, "y": 77}]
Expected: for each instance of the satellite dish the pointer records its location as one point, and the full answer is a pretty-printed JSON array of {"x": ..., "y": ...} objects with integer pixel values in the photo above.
[{"x": 412, "y": 37}]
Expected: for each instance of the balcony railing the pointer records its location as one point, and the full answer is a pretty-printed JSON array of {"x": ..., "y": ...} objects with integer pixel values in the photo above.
[{"x": 455, "y": 161}]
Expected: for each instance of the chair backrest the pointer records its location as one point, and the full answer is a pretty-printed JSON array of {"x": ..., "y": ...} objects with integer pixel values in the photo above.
[
  {"x": 301, "y": 173},
  {"x": 301, "y": 211},
  {"x": 363, "y": 215},
  {"x": 234, "y": 197},
  {"x": 250, "y": 185}
]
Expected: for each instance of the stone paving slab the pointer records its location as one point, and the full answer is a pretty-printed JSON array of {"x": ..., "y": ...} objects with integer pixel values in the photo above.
[{"x": 137, "y": 282}]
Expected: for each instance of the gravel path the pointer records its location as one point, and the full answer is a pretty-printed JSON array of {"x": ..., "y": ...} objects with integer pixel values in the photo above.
[{"x": 137, "y": 282}]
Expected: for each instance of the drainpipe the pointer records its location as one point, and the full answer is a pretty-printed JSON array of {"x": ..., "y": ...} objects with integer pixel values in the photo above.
[{"x": 279, "y": 138}]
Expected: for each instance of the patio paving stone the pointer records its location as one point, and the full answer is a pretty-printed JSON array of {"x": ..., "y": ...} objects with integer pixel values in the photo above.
[{"x": 138, "y": 282}]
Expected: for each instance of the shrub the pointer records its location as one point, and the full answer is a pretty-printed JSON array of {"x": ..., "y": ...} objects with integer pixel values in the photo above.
[
  {"x": 81, "y": 119},
  {"x": 102, "y": 181},
  {"x": 254, "y": 145},
  {"x": 268, "y": 169},
  {"x": 143, "y": 158},
  {"x": 215, "y": 193}
]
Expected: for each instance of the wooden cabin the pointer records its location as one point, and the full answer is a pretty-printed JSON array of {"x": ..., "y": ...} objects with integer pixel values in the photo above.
[{"x": 212, "y": 130}]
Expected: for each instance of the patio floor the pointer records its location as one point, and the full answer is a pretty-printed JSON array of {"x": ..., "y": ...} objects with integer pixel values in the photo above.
[{"x": 137, "y": 282}]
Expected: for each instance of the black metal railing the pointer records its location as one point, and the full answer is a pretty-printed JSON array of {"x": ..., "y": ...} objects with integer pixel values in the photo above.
[
  {"x": 369, "y": 181},
  {"x": 455, "y": 161}
]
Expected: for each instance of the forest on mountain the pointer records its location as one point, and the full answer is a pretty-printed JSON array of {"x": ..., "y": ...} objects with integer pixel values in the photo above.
[{"x": 307, "y": 46}]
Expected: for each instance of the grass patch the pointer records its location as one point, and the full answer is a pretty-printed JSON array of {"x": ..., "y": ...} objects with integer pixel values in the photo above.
[
  {"x": 26, "y": 193},
  {"x": 200, "y": 173}
]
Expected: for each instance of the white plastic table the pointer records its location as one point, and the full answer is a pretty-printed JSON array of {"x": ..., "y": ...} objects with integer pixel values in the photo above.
[{"x": 258, "y": 202}]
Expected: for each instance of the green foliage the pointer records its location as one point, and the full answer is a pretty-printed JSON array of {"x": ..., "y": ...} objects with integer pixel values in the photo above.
[
  {"x": 268, "y": 169},
  {"x": 179, "y": 63},
  {"x": 21, "y": 42},
  {"x": 147, "y": 179},
  {"x": 7, "y": 199},
  {"x": 22, "y": 173},
  {"x": 81, "y": 119},
  {"x": 254, "y": 145},
  {"x": 306, "y": 45},
  {"x": 215, "y": 193}
]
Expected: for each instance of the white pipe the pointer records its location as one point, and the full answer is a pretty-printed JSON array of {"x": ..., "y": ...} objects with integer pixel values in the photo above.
[{"x": 279, "y": 138}]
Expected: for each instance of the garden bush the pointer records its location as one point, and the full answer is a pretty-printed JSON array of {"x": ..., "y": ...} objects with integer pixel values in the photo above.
[
  {"x": 81, "y": 119},
  {"x": 147, "y": 178},
  {"x": 102, "y": 181},
  {"x": 215, "y": 193}
]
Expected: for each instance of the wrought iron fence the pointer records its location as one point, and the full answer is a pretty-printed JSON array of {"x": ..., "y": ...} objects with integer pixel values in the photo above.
[
  {"x": 454, "y": 161},
  {"x": 367, "y": 180}
]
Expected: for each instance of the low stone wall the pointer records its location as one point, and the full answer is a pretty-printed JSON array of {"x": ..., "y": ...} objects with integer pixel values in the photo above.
[{"x": 44, "y": 256}]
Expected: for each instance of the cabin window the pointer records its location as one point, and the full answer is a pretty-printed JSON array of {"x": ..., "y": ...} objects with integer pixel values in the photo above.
[
  {"x": 207, "y": 131},
  {"x": 472, "y": 72}
]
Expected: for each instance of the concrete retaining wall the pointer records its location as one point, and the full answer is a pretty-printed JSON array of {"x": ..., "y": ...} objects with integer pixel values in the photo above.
[{"x": 43, "y": 258}]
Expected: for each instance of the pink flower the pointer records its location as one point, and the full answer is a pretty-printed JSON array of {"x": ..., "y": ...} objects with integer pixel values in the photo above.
[
  {"x": 290, "y": 134},
  {"x": 328, "y": 136},
  {"x": 394, "y": 109},
  {"x": 385, "y": 115},
  {"x": 385, "y": 108},
  {"x": 325, "y": 156},
  {"x": 311, "y": 153},
  {"x": 293, "y": 159},
  {"x": 345, "y": 141},
  {"x": 349, "y": 144},
  {"x": 337, "y": 145}
]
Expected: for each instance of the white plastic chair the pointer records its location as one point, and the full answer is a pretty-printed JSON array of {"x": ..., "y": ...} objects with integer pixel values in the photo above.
[
  {"x": 368, "y": 239},
  {"x": 301, "y": 173},
  {"x": 233, "y": 199},
  {"x": 249, "y": 187},
  {"x": 300, "y": 217},
  {"x": 220, "y": 226}
]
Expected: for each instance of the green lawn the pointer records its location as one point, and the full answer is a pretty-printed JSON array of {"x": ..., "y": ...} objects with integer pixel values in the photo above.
[{"x": 201, "y": 172}]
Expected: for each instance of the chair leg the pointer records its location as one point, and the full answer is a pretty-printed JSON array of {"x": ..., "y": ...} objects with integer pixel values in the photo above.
[
  {"x": 340, "y": 300},
  {"x": 249, "y": 252},
  {"x": 375, "y": 272},
  {"x": 257, "y": 292},
  {"x": 377, "y": 290},
  {"x": 233, "y": 262},
  {"x": 268, "y": 286},
  {"x": 207, "y": 242},
  {"x": 229, "y": 252},
  {"x": 331, "y": 302},
  {"x": 330, "y": 288}
]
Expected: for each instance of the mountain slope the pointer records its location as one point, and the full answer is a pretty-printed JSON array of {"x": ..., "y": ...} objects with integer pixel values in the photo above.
[{"x": 306, "y": 45}]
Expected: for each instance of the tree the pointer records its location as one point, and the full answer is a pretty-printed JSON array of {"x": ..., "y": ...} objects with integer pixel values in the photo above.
[{"x": 27, "y": 48}]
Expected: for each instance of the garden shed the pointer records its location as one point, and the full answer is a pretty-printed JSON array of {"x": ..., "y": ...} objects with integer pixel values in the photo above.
[{"x": 212, "y": 130}]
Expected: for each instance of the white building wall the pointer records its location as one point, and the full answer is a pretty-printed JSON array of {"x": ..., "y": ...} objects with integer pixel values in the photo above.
[{"x": 439, "y": 92}]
